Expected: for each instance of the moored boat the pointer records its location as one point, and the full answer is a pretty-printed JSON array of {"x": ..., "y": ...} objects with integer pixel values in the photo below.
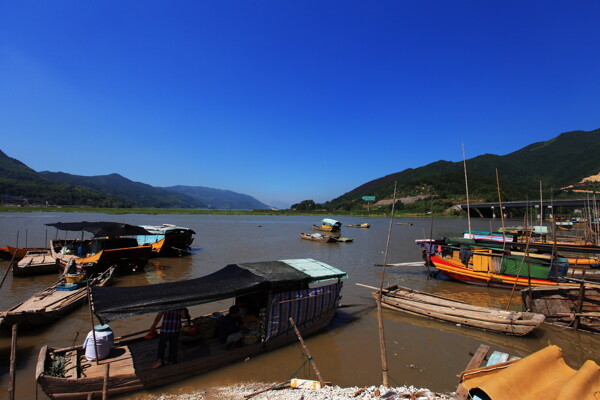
[
  {"x": 317, "y": 237},
  {"x": 432, "y": 306},
  {"x": 50, "y": 304},
  {"x": 541, "y": 375},
  {"x": 363, "y": 225},
  {"x": 575, "y": 306},
  {"x": 328, "y": 225},
  {"x": 112, "y": 245},
  {"x": 35, "y": 262},
  {"x": 502, "y": 272},
  {"x": 17, "y": 253},
  {"x": 281, "y": 290},
  {"x": 167, "y": 240}
]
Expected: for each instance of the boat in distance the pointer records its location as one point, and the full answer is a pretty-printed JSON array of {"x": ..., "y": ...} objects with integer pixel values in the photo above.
[
  {"x": 167, "y": 240},
  {"x": 363, "y": 225},
  {"x": 432, "y": 306},
  {"x": 328, "y": 225},
  {"x": 317, "y": 237},
  {"x": 281, "y": 291}
]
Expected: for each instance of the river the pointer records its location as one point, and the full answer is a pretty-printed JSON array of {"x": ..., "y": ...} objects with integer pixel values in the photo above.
[{"x": 421, "y": 352}]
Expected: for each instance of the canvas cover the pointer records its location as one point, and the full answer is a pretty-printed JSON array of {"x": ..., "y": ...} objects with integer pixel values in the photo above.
[
  {"x": 100, "y": 229},
  {"x": 542, "y": 375},
  {"x": 331, "y": 222},
  {"x": 111, "y": 303}
]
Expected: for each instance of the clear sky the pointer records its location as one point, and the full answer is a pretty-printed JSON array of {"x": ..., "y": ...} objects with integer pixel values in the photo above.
[{"x": 289, "y": 100}]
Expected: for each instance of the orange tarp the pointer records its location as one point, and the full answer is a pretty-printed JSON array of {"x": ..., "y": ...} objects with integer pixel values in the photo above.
[{"x": 542, "y": 375}]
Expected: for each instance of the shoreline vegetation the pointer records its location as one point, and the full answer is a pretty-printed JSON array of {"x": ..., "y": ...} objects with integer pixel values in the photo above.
[{"x": 184, "y": 211}]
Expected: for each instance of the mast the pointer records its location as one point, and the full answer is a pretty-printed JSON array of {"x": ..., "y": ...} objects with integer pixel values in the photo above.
[
  {"x": 384, "y": 366},
  {"x": 467, "y": 187},
  {"x": 541, "y": 207}
]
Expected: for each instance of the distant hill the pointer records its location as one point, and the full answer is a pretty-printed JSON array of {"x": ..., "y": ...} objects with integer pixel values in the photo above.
[
  {"x": 20, "y": 184},
  {"x": 562, "y": 162},
  {"x": 219, "y": 199},
  {"x": 140, "y": 194}
]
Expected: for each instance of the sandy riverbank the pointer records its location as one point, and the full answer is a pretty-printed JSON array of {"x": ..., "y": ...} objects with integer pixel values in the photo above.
[{"x": 238, "y": 392}]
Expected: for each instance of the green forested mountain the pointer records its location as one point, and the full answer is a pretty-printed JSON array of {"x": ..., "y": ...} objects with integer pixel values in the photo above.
[
  {"x": 140, "y": 194},
  {"x": 556, "y": 163},
  {"x": 21, "y": 184}
]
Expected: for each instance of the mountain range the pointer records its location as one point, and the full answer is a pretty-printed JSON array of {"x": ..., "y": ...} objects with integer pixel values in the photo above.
[
  {"x": 563, "y": 166},
  {"x": 19, "y": 183}
]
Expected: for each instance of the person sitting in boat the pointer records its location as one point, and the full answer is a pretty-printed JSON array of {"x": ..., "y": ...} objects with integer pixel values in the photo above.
[
  {"x": 104, "y": 339},
  {"x": 169, "y": 334},
  {"x": 229, "y": 328}
]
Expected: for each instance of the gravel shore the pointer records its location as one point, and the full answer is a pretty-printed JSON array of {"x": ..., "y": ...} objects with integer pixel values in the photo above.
[{"x": 238, "y": 392}]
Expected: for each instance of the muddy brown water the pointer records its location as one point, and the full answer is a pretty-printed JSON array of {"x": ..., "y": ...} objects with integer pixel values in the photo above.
[{"x": 421, "y": 352}]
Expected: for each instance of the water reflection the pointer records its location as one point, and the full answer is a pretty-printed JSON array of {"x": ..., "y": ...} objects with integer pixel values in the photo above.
[{"x": 421, "y": 352}]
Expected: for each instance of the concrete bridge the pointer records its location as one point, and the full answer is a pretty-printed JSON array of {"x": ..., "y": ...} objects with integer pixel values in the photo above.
[{"x": 492, "y": 210}]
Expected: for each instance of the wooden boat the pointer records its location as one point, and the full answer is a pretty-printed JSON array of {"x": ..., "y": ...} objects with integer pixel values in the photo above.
[
  {"x": 541, "y": 375},
  {"x": 35, "y": 262},
  {"x": 541, "y": 264},
  {"x": 497, "y": 271},
  {"x": 317, "y": 237},
  {"x": 363, "y": 225},
  {"x": 52, "y": 303},
  {"x": 343, "y": 239},
  {"x": 97, "y": 254},
  {"x": 575, "y": 306},
  {"x": 112, "y": 244},
  {"x": 428, "y": 305},
  {"x": 328, "y": 225},
  {"x": 17, "y": 253},
  {"x": 167, "y": 240},
  {"x": 279, "y": 289}
]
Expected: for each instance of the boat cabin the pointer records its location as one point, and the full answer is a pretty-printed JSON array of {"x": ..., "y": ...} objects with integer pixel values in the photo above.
[{"x": 329, "y": 225}]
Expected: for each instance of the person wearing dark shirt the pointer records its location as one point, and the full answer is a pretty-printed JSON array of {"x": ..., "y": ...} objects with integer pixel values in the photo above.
[{"x": 229, "y": 328}]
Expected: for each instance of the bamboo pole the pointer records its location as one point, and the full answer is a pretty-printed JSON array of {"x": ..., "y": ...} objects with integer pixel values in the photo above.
[
  {"x": 382, "y": 350},
  {"x": 89, "y": 293},
  {"x": 467, "y": 188},
  {"x": 307, "y": 352},
  {"x": 13, "y": 356},
  {"x": 105, "y": 383},
  {"x": 10, "y": 266}
]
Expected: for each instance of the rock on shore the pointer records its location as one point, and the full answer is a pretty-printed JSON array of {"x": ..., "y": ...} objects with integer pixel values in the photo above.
[{"x": 238, "y": 392}]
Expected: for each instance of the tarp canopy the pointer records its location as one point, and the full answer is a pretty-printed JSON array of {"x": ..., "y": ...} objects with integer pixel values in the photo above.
[
  {"x": 100, "y": 229},
  {"x": 541, "y": 375},
  {"x": 329, "y": 221},
  {"x": 111, "y": 303}
]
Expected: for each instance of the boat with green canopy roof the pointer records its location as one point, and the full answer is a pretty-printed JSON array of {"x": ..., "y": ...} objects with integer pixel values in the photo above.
[{"x": 305, "y": 290}]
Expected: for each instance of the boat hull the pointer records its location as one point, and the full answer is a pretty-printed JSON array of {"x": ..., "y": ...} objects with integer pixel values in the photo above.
[
  {"x": 487, "y": 278},
  {"x": 569, "y": 306},
  {"x": 456, "y": 312},
  {"x": 37, "y": 269},
  {"x": 121, "y": 381},
  {"x": 48, "y": 306}
]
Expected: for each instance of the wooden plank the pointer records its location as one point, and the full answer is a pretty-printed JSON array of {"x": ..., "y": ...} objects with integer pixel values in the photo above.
[{"x": 476, "y": 360}]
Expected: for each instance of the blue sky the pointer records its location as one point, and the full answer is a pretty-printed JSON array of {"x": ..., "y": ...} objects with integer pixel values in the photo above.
[{"x": 289, "y": 100}]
